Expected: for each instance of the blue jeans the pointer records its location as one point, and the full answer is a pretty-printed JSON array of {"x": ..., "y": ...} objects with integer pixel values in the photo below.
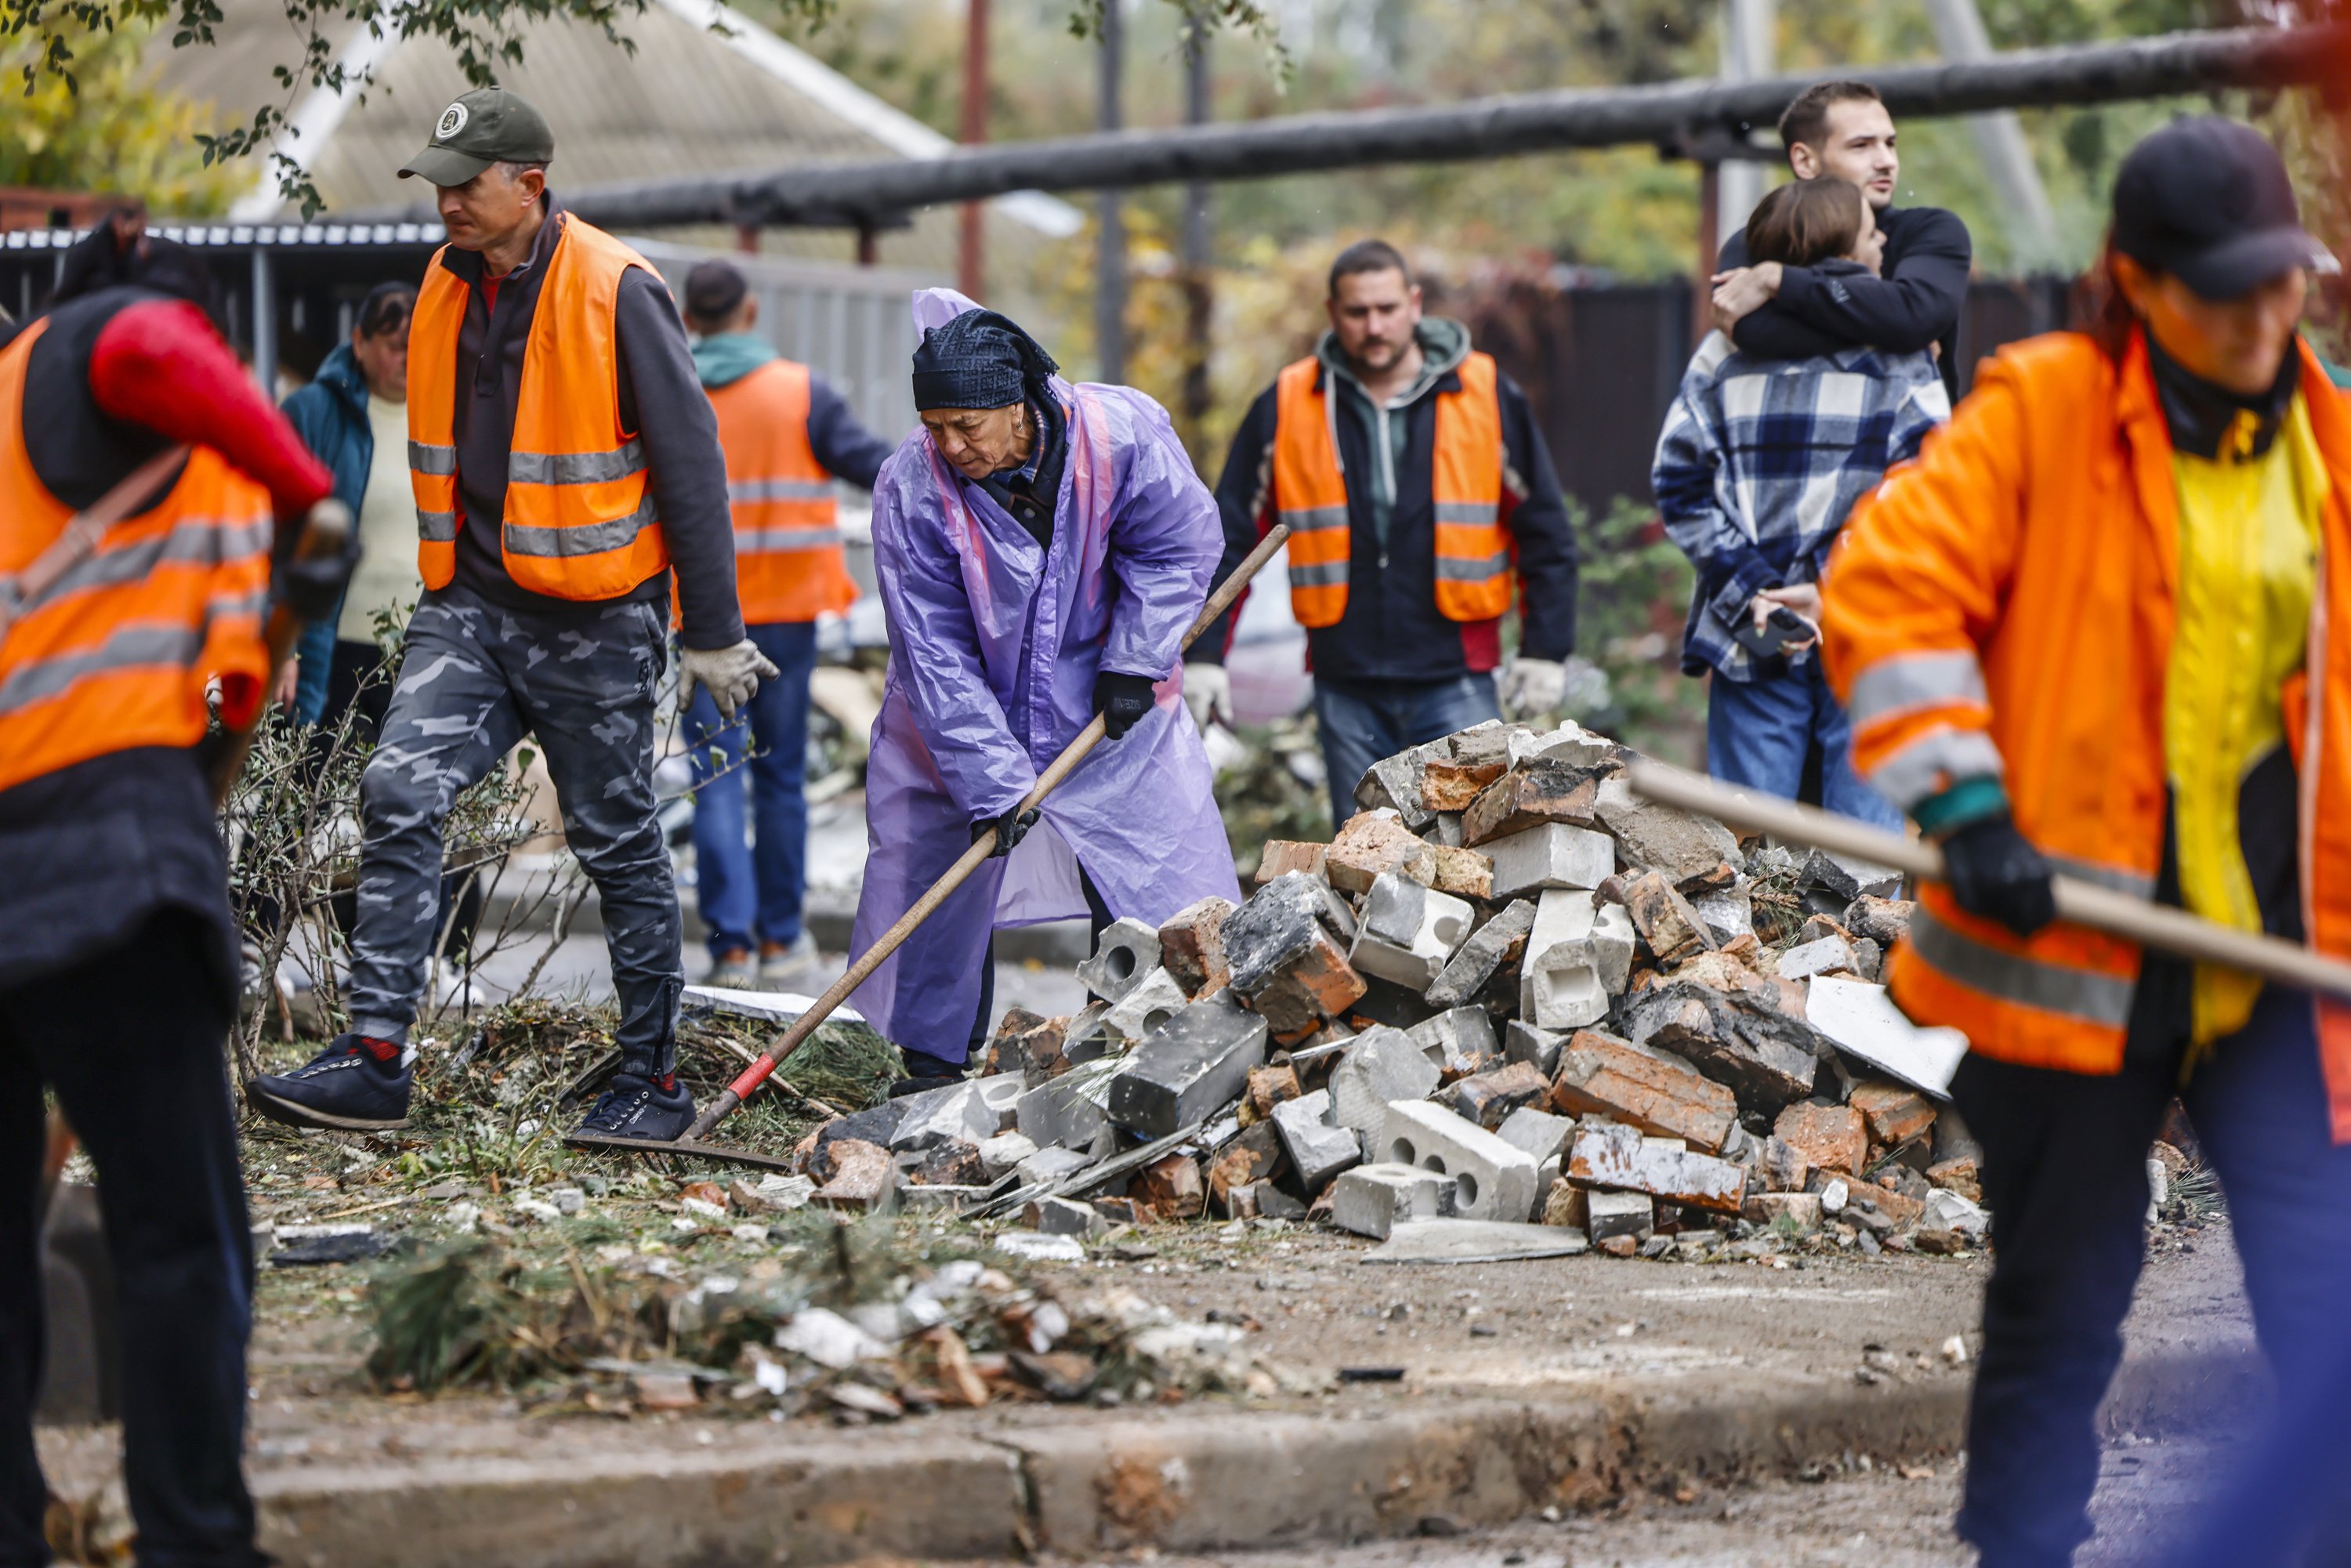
[
  {"x": 750, "y": 888},
  {"x": 1364, "y": 721},
  {"x": 1758, "y": 732}
]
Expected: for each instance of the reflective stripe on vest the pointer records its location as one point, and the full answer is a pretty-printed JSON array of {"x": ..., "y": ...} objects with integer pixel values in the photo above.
[
  {"x": 1472, "y": 546},
  {"x": 581, "y": 521},
  {"x": 114, "y": 654},
  {"x": 788, "y": 562},
  {"x": 2084, "y": 994}
]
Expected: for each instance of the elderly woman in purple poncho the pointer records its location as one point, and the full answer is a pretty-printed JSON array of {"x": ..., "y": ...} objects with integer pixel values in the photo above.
[{"x": 1042, "y": 549}]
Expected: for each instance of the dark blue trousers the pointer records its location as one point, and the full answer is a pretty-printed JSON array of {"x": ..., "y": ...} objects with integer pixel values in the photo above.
[
  {"x": 2064, "y": 1175},
  {"x": 749, "y": 888},
  {"x": 132, "y": 1041}
]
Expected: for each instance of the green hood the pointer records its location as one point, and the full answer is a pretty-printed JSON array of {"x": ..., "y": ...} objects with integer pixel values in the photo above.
[
  {"x": 729, "y": 357},
  {"x": 1444, "y": 344}
]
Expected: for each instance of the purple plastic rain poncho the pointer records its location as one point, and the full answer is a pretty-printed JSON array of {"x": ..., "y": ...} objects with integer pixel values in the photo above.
[{"x": 994, "y": 647}]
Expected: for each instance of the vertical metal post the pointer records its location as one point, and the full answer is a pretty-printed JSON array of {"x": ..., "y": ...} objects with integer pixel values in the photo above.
[
  {"x": 265, "y": 324},
  {"x": 1199, "y": 250},
  {"x": 1110, "y": 224},
  {"x": 1999, "y": 141},
  {"x": 869, "y": 246},
  {"x": 1747, "y": 53},
  {"x": 971, "y": 256}
]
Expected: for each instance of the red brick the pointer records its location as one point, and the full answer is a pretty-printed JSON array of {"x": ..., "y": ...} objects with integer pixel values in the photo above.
[
  {"x": 1959, "y": 1176},
  {"x": 1192, "y": 947},
  {"x": 1452, "y": 786},
  {"x": 1895, "y": 1114},
  {"x": 1830, "y": 1137},
  {"x": 1600, "y": 1075},
  {"x": 1486, "y": 1098},
  {"x": 1269, "y": 1087},
  {"x": 864, "y": 1177},
  {"x": 1281, "y": 856},
  {"x": 1665, "y": 919},
  {"x": 1530, "y": 795},
  {"x": 1372, "y": 842},
  {"x": 1465, "y": 873},
  {"x": 1319, "y": 985}
]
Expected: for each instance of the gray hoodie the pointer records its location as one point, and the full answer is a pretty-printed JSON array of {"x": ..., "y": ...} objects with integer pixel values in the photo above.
[{"x": 1444, "y": 344}]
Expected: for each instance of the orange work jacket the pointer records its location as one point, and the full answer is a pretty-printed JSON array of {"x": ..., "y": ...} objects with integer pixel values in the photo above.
[
  {"x": 788, "y": 562},
  {"x": 115, "y": 654},
  {"x": 1309, "y": 494},
  {"x": 580, "y": 521},
  {"x": 2004, "y": 605}
]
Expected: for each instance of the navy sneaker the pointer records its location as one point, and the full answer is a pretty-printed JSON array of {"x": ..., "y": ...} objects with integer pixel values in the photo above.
[
  {"x": 925, "y": 1072},
  {"x": 355, "y": 1085},
  {"x": 657, "y": 1110}
]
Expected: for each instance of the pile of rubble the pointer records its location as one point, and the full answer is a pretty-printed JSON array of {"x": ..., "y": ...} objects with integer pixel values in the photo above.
[{"x": 1509, "y": 992}]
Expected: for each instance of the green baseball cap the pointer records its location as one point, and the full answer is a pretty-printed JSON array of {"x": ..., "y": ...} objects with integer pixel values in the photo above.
[{"x": 489, "y": 125}]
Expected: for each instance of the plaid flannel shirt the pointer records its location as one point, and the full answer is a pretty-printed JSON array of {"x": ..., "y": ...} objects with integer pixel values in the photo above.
[{"x": 1758, "y": 464}]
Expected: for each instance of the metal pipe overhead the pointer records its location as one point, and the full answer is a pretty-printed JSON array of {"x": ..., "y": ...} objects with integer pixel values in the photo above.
[{"x": 1679, "y": 115}]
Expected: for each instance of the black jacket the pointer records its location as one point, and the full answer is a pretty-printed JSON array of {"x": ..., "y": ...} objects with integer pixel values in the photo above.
[
  {"x": 1391, "y": 630},
  {"x": 660, "y": 400},
  {"x": 1917, "y": 303}
]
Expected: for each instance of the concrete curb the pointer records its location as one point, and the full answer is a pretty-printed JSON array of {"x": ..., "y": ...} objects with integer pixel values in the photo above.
[{"x": 1194, "y": 1480}]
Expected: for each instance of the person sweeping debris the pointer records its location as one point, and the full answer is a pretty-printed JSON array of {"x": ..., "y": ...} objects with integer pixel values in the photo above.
[
  {"x": 2089, "y": 630},
  {"x": 1043, "y": 548}
]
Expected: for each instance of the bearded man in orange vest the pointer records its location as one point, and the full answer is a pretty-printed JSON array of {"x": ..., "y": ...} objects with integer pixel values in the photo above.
[
  {"x": 565, "y": 463},
  {"x": 1419, "y": 497},
  {"x": 787, "y": 435}
]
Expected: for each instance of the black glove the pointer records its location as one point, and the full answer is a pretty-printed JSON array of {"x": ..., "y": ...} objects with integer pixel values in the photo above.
[
  {"x": 1122, "y": 700},
  {"x": 312, "y": 587},
  {"x": 1009, "y": 830},
  {"x": 1995, "y": 872}
]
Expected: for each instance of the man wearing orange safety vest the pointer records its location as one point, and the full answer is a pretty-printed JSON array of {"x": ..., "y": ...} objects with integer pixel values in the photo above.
[
  {"x": 1421, "y": 503},
  {"x": 565, "y": 463},
  {"x": 141, "y": 470},
  {"x": 787, "y": 435}
]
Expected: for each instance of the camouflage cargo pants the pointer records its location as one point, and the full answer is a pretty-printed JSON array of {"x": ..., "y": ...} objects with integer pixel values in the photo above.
[{"x": 476, "y": 677}]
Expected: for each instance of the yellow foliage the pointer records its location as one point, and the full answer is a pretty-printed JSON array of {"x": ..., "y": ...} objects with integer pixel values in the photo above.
[{"x": 113, "y": 129}]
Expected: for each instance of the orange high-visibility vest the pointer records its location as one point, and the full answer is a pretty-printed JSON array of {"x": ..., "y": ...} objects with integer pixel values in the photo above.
[
  {"x": 1309, "y": 494},
  {"x": 115, "y": 653},
  {"x": 788, "y": 562},
  {"x": 580, "y": 521}
]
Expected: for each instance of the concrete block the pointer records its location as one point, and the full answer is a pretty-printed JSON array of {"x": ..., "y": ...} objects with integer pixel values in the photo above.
[
  {"x": 1829, "y": 1138},
  {"x": 1530, "y": 796},
  {"x": 1539, "y": 1134},
  {"x": 863, "y": 1179},
  {"x": 1665, "y": 919},
  {"x": 1728, "y": 915},
  {"x": 1444, "y": 832},
  {"x": 1570, "y": 744},
  {"x": 1372, "y": 1199},
  {"x": 1501, "y": 941},
  {"x": 1664, "y": 838},
  {"x": 1192, "y": 946},
  {"x": 1610, "y": 1154},
  {"x": 1578, "y": 956},
  {"x": 1317, "y": 1147},
  {"x": 1408, "y": 931},
  {"x": 1490, "y": 742},
  {"x": 1871, "y": 1030},
  {"x": 1393, "y": 783},
  {"x": 1001, "y": 1093},
  {"x": 1280, "y": 857},
  {"x": 1523, "y": 1041},
  {"x": 1191, "y": 1067},
  {"x": 1600, "y": 1075},
  {"x": 1488, "y": 1098},
  {"x": 1555, "y": 854},
  {"x": 1005, "y": 1152},
  {"x": 1068, "y": 1110},
  {"x": 1765, "y": 1058},
  {"x": 1128, "y": 951},
  {"x": 1147, "y": 1008},
  {"x": 1492, "y": 1180},
  {"x": 1061, "y": 1217},
  {"x": 1446, "y": 785},
  {"x": 1051, "y": 1165},
  {"x": 1895, "y": 1114},
  {"x": 957, "y": 1115},
  {"x": 1607, "y": 1213},
  {"x": 1383, "y": 1064},
  {"x": 1460, "y": 1040},
  {"x": 1828, "y": 956},
  {"x": 1947, "y": 1210},
  {"x": 1372, "y": 844}
]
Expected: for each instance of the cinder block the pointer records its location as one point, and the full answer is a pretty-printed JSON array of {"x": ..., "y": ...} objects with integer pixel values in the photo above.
[
  {"x": 1383, "y": 1064},
  {"x": 1572, "y": 744},
  {"x": 1492, "y": 1180},
  {"x": 1460, "y": 1041},
  {"x": 1578, "y": 956},
  {"x": 1128, "y": 951},
  {"x": 1194, "y": 1065},
  {"x": 1827, "y": 955},
  {"x": 1540, "y": 1135},
  {"x": 1371, "y": 844},
  {"x": 1607, "y": 1213},
  {"x": 1061, "y": 1217},
  {"x": 1068, "y": 1110},
  {"x": 1089, "y": 1038},
  {"x": 1529, "y": 796},
  {"x": 959, "y": 1113},
  {"x": 1139, "y": 1014},
  {"x": 1610, "y": 1154},
  {"x": 1372, "y": 1199},
  {"x": 1005, "y": 1152},
  {"x": 1540, "y": 1047},
  {"x": 1051, "y": 1165},
  {"x": 1502, "y": 940},
  {"x": 1408, "y": 931},
  {"x": 1490, "y": 741},
  {"x": 1318, "y": 1148},
  {"x": 1599, "y": 1074},
  {"x": 1555, "y": 854},
  {"x": 1192, "y": 946}
]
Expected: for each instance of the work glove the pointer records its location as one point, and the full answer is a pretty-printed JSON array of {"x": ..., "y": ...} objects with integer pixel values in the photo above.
[
  {"x": 729, "y": 674},
  {"x": 1533, "y": 687},
  {"x": 1122, "y": 700},
  {"x": 1208, "y": 693},
  {"x": 311, "y": 584},
  {"x": 1009, "y": 830},
  {"x": 1996, "y": 873}
]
